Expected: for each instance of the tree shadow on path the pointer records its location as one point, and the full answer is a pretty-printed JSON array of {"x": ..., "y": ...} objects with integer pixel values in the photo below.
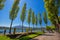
[
  {"x": 48, "y": 35},
  {"x": 34, "y": 39}
]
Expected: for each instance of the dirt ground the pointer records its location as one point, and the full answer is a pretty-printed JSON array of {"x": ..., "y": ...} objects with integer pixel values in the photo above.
[{"x": 48, "y": 36}]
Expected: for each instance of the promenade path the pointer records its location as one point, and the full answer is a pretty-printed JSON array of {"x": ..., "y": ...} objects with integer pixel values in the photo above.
[{"x": 48, "y": 36}]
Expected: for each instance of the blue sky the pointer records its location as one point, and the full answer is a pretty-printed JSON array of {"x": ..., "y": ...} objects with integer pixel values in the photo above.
[{"x": 36, "y": 5}]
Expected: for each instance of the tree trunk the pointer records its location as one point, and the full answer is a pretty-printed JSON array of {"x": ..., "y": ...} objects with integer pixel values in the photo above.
[
  {"x": 29, "y": 27},
  {"x": 33, "y": 28},
  {"x": 10, "y": 26},
  {"x": 58, "y": 27},
  {"x": 41, "y": 27},
  {"x": 22, "y": 26},
  {"x": 14, "y": 31},
  {"x": 4, "y": 31},
  {"x": 36, "y": 26}
]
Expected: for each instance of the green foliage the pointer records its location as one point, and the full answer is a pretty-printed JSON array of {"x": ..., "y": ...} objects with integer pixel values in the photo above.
[
  {"x": 13, "y": 13},
  {"x": 2, "y": 4},
  {"x": 29, "y": 15},
  {"x": 23, "y": 14},
  {"x": 52, "y": 10},
  {"x": 50, "y": 27},
  {"x": 14, "y": 10},
  {"x": 36, "y": 20},
  {"x": 45, "y": 17},
  {"x": 33, "y": 18},
  {"x": 53, "y": 27},
  {"x": 39, "y": 18}
]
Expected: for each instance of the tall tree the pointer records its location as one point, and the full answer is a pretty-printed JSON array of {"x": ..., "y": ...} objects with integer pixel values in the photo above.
[
  {"x": 33, "y": 19},
  {"x": 23, "y": 15},
  {"x": 53, "y": 11},
  {"x": 39, "y": 18},
  {"x": 14, "y": 12},
  {"x": 36, "y": 20},
  {"x": 2, "y": 4},
  {"x": 29, "y": 17},
  {"x": 45, "y": 18}
]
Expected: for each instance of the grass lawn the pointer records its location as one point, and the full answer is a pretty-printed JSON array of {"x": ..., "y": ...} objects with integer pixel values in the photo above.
[
  {"x": 22, "y": 38},
  {"x": 30, "y": 36},
  {"x": 4, "y": 38}
]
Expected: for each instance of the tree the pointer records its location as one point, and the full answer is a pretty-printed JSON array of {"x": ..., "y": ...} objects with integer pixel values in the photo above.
[
  {"x": 39, "y": 19},
  {"x": 23, "y": 15},
  {"x": 33, "y": 19},
  {"x": 14, "y": 12},
  {"x": 53, "y": 11},
  {"x": 36, "y": 20},
  {"x": 45, "y": 18},
  {"x": 57, "y": 3},
  {"x": 29, "y": 17},
  {"x": 2, "y": 4}
]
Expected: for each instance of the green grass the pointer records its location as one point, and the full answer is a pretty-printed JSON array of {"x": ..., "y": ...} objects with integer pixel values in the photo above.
[
  {"x": 4, "y": 38},
  {"x": 30, "y": 36},
  {"x": 39, "y": 33},
  {"x": 22, "y": 38}
]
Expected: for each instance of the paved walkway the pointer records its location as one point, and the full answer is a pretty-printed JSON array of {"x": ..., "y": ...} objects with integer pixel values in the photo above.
[{"x": 48, "y": 36}]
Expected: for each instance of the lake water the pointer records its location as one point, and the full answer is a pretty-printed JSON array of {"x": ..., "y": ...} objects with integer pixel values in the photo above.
[
  {"x": 7, "y": 30},
  {"x": 17, "y": 30}
]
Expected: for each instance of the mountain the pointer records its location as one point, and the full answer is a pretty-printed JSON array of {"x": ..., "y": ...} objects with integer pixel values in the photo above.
[{"x": 2, "y": 27}]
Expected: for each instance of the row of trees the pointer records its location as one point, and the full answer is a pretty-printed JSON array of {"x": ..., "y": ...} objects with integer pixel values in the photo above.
[
  {"x": 32, "y": 18},
  {"x": 52, "y": 8}
]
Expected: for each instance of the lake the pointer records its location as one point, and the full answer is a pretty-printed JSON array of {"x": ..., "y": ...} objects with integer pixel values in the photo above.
[{"x": 17, "y": 30}]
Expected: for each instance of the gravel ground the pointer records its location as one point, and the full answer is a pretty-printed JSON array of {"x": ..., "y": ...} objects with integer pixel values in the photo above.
[{"x": 48, "y": 36}]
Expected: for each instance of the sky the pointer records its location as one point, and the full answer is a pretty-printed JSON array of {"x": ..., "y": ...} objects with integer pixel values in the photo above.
[{"x": 36, "y": 5}]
